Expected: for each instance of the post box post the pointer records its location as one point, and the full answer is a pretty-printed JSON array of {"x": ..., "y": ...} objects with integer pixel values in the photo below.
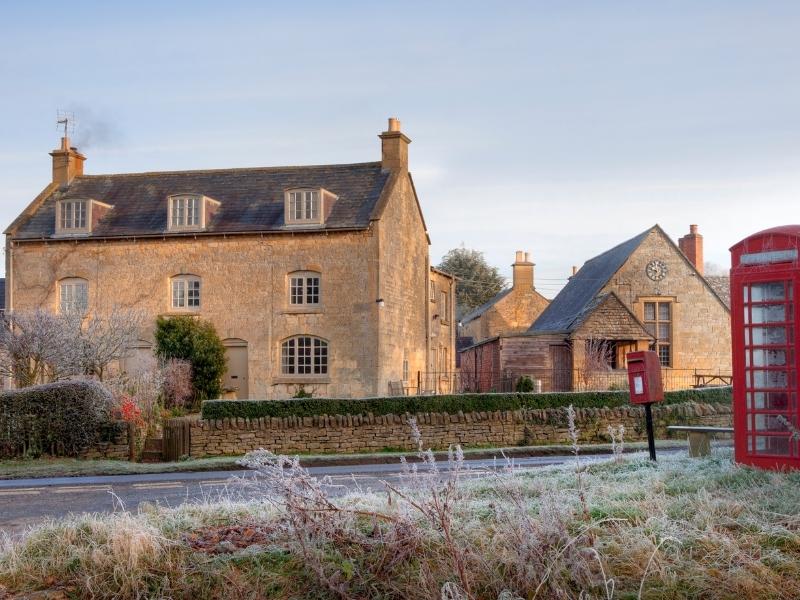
[{"x": 644, "y": 381}]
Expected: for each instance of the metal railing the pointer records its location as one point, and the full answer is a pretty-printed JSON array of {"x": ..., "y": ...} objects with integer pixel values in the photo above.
[{"x": 457, "y": 382}]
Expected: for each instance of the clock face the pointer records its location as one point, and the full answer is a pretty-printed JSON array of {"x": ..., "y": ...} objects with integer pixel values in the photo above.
[{"x": 656, "y": 270}]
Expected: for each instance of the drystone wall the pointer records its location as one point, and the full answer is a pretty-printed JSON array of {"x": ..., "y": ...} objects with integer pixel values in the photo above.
[
  {"x": 368, "y": 433},
  {"x": 118, "y": 447}
]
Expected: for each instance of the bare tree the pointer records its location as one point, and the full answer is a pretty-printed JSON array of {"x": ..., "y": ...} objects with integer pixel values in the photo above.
[
  {"x": 106, "y": 338},
  {"x": 597, "y": 358},
  {"x": 38, "y": 347}
]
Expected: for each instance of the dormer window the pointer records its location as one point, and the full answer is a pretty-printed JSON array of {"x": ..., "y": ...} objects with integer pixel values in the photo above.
[
  {"x": 73, "y": 214},
  {"x": 190, "y": 211},
  {"x": 308, "y": 206},
  {"x": 79, "y": 216}
]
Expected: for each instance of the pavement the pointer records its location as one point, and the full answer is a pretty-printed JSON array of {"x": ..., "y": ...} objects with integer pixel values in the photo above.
[{"x": 28, "y": 502}]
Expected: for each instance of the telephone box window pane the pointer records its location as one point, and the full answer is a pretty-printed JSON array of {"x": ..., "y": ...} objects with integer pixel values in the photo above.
[
  {"x": 763, "y": 336},
  {"x": 746, "y": 291},
  {"x": 762, "y": 357},
  {"x": 763, "y": 444},
  {"x": 765, "y": 292},
  {"x": 769, "y": 423},
  {"x": 768, "y": 400},
  {"x": 770, "y": 379},
  {"x": 773, "y": 313},
  {"x": 649, "y": 311}
]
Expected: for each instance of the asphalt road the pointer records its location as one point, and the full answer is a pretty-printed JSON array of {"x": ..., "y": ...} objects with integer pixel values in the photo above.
[{"x": 27, "y": 502}]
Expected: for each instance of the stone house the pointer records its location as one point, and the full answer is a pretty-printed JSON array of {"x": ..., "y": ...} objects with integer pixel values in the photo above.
[
  {"x": 314, "y": 276},
  {"x": 644, "y": 293},
  {"x": 511, "y": 311}
]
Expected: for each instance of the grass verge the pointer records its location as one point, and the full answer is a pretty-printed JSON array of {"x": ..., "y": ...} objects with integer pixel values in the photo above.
[{"x": 624, "y": 528}]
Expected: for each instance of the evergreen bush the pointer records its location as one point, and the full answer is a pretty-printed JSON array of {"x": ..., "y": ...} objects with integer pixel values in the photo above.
[
  {"x": 452, "y": 404},
  {"x": 196, "y": 341},
  {"x": 60, "y": 419}
]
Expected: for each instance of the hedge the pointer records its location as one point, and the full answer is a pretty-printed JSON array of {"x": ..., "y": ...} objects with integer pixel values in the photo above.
[
  {"x": 61, "y": 419},
  {"x": 306, "y": 407}
]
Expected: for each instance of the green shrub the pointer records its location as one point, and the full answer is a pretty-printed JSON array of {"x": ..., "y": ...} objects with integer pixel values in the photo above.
[
  {"x": 60, "y": 419},
  {"x": 525, "y": 384},
  {"x": 195, "y": 340},
  {"x": 306, "y": 407}
]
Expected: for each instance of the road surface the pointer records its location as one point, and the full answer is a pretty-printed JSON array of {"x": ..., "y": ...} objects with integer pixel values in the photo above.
[{"x": 27, "y": 502}]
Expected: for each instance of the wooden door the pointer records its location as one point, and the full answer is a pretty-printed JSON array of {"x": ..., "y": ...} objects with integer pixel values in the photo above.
[
  {"x": 236, "y": 374},
  {"x": 561, "y": 368}
]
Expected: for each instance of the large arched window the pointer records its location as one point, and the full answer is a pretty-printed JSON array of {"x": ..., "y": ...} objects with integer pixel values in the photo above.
[
  {"x": 73, "y": 296},
  {"x": 304, "y": 355}
]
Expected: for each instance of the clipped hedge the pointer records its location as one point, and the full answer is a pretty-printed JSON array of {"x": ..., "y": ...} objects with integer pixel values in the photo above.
[
  {"x": 60, "y": 419},
  {"x": 306, "y": 407}
]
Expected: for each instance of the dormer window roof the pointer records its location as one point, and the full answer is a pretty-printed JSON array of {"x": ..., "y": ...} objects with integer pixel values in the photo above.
[
  {"x": 308, "y": 206},
  {"x": 189, "y": 211},
  {"x": 77, "y": 216}
]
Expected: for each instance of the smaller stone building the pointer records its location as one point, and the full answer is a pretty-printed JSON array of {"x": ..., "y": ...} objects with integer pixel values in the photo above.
[
  {"x": 644, "y": 293},
  {"x": 511, "y": 311}
]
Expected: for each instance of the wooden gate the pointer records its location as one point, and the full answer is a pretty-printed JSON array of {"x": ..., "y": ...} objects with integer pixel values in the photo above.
[{"x": 177, "y": 438}]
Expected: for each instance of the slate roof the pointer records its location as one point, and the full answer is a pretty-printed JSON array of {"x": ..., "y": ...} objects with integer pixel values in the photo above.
[
  {"x": 250, "y": 199},
  {"x": 567, "y": 309},
  {"x": 477, "y": 312},
  {"x": 721, "y": 284}
]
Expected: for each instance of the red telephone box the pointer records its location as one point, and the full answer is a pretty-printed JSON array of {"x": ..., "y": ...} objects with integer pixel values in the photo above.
[{"x": 765, "y": 279}]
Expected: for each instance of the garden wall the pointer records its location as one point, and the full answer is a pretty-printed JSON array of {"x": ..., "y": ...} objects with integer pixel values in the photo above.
[
  {"x": 370, "y": 433},
  {"x": 115, "y": 444}
]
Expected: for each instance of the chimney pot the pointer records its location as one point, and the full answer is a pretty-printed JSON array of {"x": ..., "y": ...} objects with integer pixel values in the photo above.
[
  {"x": 574, "y": 269},
  {"x": 67, "y": 163},
  {"x": 692, "y": 246},
  {"x": 394, "y": 147},
  {"x": 527, "y": 257},
  {"x": 523, "y": 272}
]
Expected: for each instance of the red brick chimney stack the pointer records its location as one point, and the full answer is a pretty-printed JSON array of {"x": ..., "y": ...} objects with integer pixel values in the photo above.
[
  {"x": 67, "y": 163},
  {"x": 692, "y": 246},
  {"x": 394, "y": 147},
  {"x": 523, "y": 271}
]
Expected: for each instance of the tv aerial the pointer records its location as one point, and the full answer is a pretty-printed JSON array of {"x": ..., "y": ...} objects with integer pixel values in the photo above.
[{"x": 65, "y": 120}]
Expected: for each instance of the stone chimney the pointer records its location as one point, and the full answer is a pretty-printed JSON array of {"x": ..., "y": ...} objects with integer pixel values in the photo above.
[
  {"x": 394, "y": 147},
  {"x": 67, "y": 163},
  {"x": 523, "y": 271},
  {"x": 692, "y": 246}
]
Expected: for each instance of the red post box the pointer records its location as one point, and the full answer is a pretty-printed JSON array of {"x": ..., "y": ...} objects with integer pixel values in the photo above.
[
  {"x": 644, "y": 377},
  {"x": 765, "y": 327}
]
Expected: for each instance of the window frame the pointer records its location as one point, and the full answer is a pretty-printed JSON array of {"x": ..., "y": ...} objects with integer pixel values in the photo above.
[
  {"x": 314, "y": 360},
  {"x": 184, "y": 201},
  {"x": 192, "y": 286},
  {"x": 657, "y": 322},
  {"x": 72, "y": 283},
  {"x": 307, "y": 290},
  {"x": 306, "y": 205}
]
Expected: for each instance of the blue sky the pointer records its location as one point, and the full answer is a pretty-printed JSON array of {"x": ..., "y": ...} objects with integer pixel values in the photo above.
[{"x": 560, "y": 128}]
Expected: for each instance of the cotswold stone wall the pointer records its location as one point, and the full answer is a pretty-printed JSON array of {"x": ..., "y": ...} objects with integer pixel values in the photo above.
[
  {"x": 118, "y": 447},
  {"x": 368, "y": 433}
]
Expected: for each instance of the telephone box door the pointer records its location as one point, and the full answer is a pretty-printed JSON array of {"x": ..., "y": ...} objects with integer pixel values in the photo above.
[{"x": 764, "y": 320}]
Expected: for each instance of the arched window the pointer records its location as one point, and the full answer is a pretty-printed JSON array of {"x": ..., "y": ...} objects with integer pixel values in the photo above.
[
  {"x": 73, "y": 296},
  {"x": 304, "y": 355},
  {"x": 185, "y": 292},
  {"x": 304, "y": 288}
]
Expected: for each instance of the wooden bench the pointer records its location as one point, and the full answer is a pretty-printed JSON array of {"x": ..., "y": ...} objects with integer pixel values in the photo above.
[{"x": 699, "y": 437}]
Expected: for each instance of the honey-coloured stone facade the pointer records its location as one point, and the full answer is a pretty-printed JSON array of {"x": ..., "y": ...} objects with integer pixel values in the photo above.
[{"x": 373, "y": 265}]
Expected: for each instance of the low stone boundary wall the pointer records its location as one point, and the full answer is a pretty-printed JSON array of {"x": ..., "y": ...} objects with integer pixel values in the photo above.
[
  {"x": 117, "y": 447},
  {"x": 369, "y": 433}
]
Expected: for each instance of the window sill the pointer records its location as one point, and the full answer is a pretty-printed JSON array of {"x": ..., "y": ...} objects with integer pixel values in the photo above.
[
  {"x": 301, "y": 379},
  {"x": 176, "y": 312},
  {"x": 306, "y": 309}
]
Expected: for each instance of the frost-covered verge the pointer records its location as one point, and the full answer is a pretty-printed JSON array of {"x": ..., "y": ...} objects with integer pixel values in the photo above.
[{"x": 625, "y": 528}]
